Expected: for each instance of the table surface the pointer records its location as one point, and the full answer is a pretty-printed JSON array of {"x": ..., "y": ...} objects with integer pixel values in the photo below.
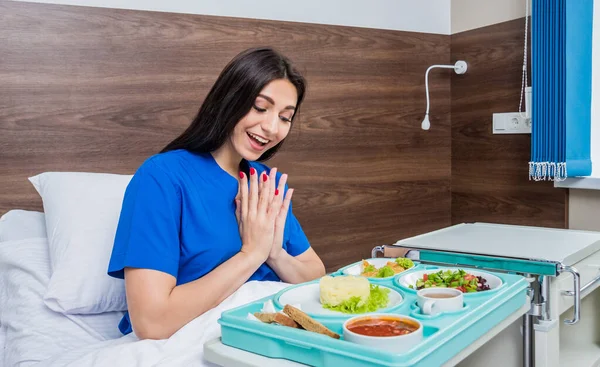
[{"x": 509, "y": 241}]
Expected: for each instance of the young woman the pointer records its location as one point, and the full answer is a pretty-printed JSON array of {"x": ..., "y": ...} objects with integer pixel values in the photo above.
[{"x": 204, "y": 216}]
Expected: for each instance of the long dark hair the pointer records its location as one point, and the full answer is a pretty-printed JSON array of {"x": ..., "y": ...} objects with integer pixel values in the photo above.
[{"x": 233, "y": 95}]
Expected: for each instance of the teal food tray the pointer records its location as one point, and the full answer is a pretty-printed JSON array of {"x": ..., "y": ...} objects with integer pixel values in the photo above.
[{"x": 444, "y": 335}]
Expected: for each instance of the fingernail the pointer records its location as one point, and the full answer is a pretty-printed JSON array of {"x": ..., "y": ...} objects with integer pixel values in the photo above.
[
  {"x": 276, "y": 192},
  {"x": 252, "y": 171},
  {"x": 241, "y": 174},
  {"x": 265, "y": 177}
]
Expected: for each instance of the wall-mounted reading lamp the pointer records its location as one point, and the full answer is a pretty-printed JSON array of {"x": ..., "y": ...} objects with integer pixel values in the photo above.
[{"x": 459, "y": 68}]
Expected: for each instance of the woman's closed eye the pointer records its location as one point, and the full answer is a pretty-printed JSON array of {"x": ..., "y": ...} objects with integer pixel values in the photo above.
[
  {"x": 260, "y": 109},
  {"x": 282, "y": 118}
]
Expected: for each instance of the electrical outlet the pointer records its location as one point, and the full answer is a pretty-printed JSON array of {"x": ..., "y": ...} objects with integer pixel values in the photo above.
[{"x": 510, "y": 123}]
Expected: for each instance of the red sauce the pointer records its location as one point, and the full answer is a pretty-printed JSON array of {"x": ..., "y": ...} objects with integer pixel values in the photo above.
[{"x": 382, "y": 327}]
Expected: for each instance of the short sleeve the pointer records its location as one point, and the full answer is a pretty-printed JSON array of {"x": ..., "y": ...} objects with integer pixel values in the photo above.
[
  {"x": 148, "y": 231},
  {"x": 296, "y": 241}
]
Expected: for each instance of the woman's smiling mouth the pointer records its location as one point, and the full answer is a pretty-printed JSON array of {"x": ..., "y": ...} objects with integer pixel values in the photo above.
[{"x": 257, "y": 142}]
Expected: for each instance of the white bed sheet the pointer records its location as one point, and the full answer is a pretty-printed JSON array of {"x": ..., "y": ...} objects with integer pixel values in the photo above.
[
  {"x": 33, "y": 332},
  {"x": 184, "y": 348},
  {"x": 2, "y": 342},
  {"x": 17, "y": 225}
]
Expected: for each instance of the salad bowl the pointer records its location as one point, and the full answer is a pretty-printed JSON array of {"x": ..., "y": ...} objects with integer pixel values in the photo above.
[
  {"x": 465, "y": 279},
  {"x": 375, "y": 268}
]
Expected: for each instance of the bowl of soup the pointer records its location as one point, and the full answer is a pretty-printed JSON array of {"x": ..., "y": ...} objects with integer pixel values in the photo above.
[{"x": 390, "y": 332}]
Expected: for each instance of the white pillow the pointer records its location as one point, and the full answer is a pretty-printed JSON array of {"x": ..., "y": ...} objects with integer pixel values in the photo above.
[
  {"x": 20, "y": 224},
  {"x": 82, "y": 212},
  {"x": 33, "y": 332}
]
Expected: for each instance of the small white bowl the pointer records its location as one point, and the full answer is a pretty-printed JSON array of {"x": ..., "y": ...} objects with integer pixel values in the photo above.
[
  {"x": 430, "y": 302},
  {"x": 393, "y": 344}
]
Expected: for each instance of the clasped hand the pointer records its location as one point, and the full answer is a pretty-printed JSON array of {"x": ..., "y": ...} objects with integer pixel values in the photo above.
[{"x": 261, "y": 211}]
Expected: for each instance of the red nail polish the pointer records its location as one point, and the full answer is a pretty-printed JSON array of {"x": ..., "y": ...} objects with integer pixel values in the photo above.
[
  {"x": 276, "y": 192},
  {"x": 265, "y": 177},
  {"x": 252, "y": 171},
  {"x": 241, "y": 174}
]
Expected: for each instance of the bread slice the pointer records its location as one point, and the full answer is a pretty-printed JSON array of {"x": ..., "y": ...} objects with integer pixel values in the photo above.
[
  {"x": 276, "y": 317},
  {"x": 307, "y": 322}
]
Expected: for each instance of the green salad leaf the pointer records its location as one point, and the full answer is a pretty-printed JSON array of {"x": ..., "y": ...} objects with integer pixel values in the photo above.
[
  {"x": 369, "y": 268},
  {"x": 384, "y": 271},
  {"x": 378, "y": 298},
  {"x": 405, "y": 263}
]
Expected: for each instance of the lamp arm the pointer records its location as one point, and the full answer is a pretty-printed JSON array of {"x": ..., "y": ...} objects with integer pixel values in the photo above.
[
  {"x": 427, "y": 83},
  {"x": 460, "y": 67}
]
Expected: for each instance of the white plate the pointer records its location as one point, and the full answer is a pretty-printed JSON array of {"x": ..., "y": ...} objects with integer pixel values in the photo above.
[
  {"x": 411, "y": 278},
  {"x": 379, "y": 262},
  {"x": 307, "y": 296}
]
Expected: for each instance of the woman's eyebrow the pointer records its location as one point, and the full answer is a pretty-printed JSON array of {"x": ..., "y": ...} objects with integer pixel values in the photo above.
[{"x": 271, "y": 101}]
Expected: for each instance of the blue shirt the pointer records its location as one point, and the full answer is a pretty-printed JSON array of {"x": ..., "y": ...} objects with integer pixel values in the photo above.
[{"x": 178, "y": 217}]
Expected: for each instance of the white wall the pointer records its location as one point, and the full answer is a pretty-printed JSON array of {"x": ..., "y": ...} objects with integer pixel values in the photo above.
[
  {"x": 472, "y": 14},
  {"x": 427, "y": 16}
]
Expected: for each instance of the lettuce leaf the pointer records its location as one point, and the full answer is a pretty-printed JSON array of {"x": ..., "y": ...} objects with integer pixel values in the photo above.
[
  {"x": 384, "y": 271},
  {"x": 369, "y": 268},
  {"x": 405, "y": 263},
  {"x": 378, "y": 298}
]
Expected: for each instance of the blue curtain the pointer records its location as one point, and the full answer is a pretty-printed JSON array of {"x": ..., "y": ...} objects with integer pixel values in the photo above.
[{"x": 561, "y": 62}]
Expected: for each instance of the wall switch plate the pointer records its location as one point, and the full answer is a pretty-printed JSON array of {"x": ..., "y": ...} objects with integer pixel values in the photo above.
[{"x": 510, "y": 123}]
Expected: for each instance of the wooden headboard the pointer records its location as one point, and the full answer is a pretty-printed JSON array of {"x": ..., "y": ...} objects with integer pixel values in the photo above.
[{"x": 100, "y": 90}]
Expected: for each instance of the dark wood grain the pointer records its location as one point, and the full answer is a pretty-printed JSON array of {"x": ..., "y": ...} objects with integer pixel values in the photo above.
[
  {"x": 490, "y": 179},
  {"x": 100, "y": 90}
]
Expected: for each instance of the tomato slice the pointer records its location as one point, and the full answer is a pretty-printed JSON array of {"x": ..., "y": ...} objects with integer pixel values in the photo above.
[
  {"x": 425, "y": 277},
  {"x": 462, "y": 289}
]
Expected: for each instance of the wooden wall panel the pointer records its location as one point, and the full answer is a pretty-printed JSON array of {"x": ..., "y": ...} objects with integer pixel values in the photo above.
[
  {"x": 490, "y": 172},
  {"x": 90, "y": 89}
]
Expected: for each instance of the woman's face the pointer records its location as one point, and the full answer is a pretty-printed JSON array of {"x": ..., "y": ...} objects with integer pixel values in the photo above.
[{"x": 268, "y": 122}]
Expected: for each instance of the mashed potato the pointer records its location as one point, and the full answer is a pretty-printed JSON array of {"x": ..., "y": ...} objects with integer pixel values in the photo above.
[{"x": 335, "y": 290}]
